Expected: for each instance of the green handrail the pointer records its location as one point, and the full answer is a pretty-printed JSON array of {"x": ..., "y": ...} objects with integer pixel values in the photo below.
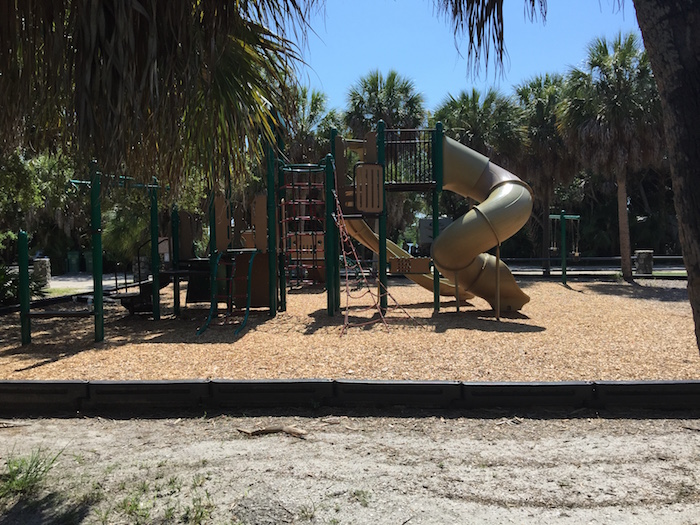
[{"x": 249, "y": 293}]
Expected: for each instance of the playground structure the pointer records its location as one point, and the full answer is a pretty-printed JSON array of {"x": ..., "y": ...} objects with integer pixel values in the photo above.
[
  {"x": 234, "y": 273},
  {"x": 149, "y": 291},
  {"x": 428, "y": 161},
  {"x": 294, "y": 232},
  {"x": 572, "y": 222}
]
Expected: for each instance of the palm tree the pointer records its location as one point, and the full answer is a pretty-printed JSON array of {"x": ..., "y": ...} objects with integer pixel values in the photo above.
[
  {"x": 309, "y": 114},
  {"x": 610, "y": 115},
  {"x": 148, "y": 86},
  {"x": 545, "y": 160},
  {"x": 676, "y": 63},
  {"x": 490, "y": 125},
  {"x": 393, "y": 99}
]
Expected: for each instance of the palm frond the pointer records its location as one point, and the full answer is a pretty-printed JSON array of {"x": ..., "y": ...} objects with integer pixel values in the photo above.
[
  {"x": 480, "y": 22},
  {"x": 122, "y": 80}
]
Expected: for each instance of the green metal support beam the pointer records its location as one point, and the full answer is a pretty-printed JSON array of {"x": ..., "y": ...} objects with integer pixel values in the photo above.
[
  {"x": 437, "y": 175},
  {"x": 24, "y": 293},
  {"x": 336, "y": 275},
  {"x": 155, "y": 255},
  {"x": 213, "y": 259},
  {"x": 332, "y": 251},
  {"x": 271, "y": 230},
  {"x": 96, "y": 226},
  {"x": 383, "y": 281},
  {"x": 562, "y": 222},
  {"x": 175, "y": 232},
  {"x": 281, "y": 264},
  {"x": 563, "y": 217}
]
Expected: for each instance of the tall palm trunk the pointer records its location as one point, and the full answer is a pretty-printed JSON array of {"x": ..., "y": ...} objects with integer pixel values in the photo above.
[
  {"x": 624, "y": 226},
  {"x": 664, "y": 26}
]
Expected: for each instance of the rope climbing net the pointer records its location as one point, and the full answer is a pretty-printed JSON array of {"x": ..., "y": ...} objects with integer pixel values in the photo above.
[{"x": 358, "y": 288}]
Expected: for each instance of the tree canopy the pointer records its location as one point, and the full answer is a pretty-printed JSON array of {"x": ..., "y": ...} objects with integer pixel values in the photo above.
[{"x": 147, "y": 86}]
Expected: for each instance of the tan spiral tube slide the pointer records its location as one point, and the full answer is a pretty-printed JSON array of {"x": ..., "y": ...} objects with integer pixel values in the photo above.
[{"x": 505, "y": 204}]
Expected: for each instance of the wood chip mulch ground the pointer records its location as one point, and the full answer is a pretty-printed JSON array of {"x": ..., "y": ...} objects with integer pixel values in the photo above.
[{"x": 584, "y": 331}]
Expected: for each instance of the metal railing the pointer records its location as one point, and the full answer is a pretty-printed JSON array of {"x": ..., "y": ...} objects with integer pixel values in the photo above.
[{"x": 409, "y": 158}]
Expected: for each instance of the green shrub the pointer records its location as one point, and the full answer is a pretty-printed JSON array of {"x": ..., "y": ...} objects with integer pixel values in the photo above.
[{"x": 9, "y": 287}]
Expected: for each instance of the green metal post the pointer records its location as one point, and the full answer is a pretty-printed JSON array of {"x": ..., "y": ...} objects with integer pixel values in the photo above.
[
  {"x": 213, "y": 260},
  {"x": 383, "y": 281},
  {"x": 334, "y": 134},
  {"x": 24, "y": 294},
  {"x": 562, "y": 223},
  {"x": 437, "y": 175},
  {"x": 175, "y": 232},
  {"x": 96, "y": 226},
  {"x": 336, "y": 247},
  {"x": 272, "y": 229},
  {"x": 155, "y": 255},
  {"x": 331, "y": 243},
  {"x": 281, "y": 262}
]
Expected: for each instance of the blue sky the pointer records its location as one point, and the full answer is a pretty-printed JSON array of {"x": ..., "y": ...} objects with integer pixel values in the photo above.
[{"x": 358, "y": 36}]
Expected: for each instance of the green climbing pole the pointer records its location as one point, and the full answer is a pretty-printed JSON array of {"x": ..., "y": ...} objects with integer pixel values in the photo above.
[
  {"x": 332, "y": 250},
  {"x": 175, "y": 232}
]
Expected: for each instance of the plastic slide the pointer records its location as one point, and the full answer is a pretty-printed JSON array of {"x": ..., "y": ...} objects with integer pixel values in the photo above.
[
  {"x": 505, "y": 204},
  {"x": 361, "y": 231}
]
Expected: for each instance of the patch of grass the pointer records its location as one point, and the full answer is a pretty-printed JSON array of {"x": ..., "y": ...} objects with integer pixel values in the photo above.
[
  {"x": 174, "y": 484},
  {"x": 307, "y": 512},
  {"x": 24, "y": 475},
  {"x": 361, "y": 496},
  {"x": 95, "y": 495},
  {"x": 103, "y": 516},
  {"x": 135, "y": 509},
  {"x": 200, "y": 510},
  {"x": 58, "y": 292},
  {"x": 169, "y": 514},
  {"x": 198, "y": 480},
  {"x": 143, "y": 487},
  {"x": 111, "y": 468}
]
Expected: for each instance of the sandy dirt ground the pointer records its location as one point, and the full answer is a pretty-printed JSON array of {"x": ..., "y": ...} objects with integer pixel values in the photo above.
[{"x": 393, "y": 468}]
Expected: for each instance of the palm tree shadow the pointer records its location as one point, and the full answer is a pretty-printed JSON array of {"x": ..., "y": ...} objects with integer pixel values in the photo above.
[{"x": 51, "y": 508}]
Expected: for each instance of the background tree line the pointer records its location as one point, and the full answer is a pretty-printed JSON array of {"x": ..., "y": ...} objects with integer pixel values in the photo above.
[
  {"x": 590, "y": 142},
  {"x": 580, "y": 140}
]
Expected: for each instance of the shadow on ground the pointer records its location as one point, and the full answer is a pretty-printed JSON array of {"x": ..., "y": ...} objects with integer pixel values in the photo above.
[{"x": 641, "y": 291}]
